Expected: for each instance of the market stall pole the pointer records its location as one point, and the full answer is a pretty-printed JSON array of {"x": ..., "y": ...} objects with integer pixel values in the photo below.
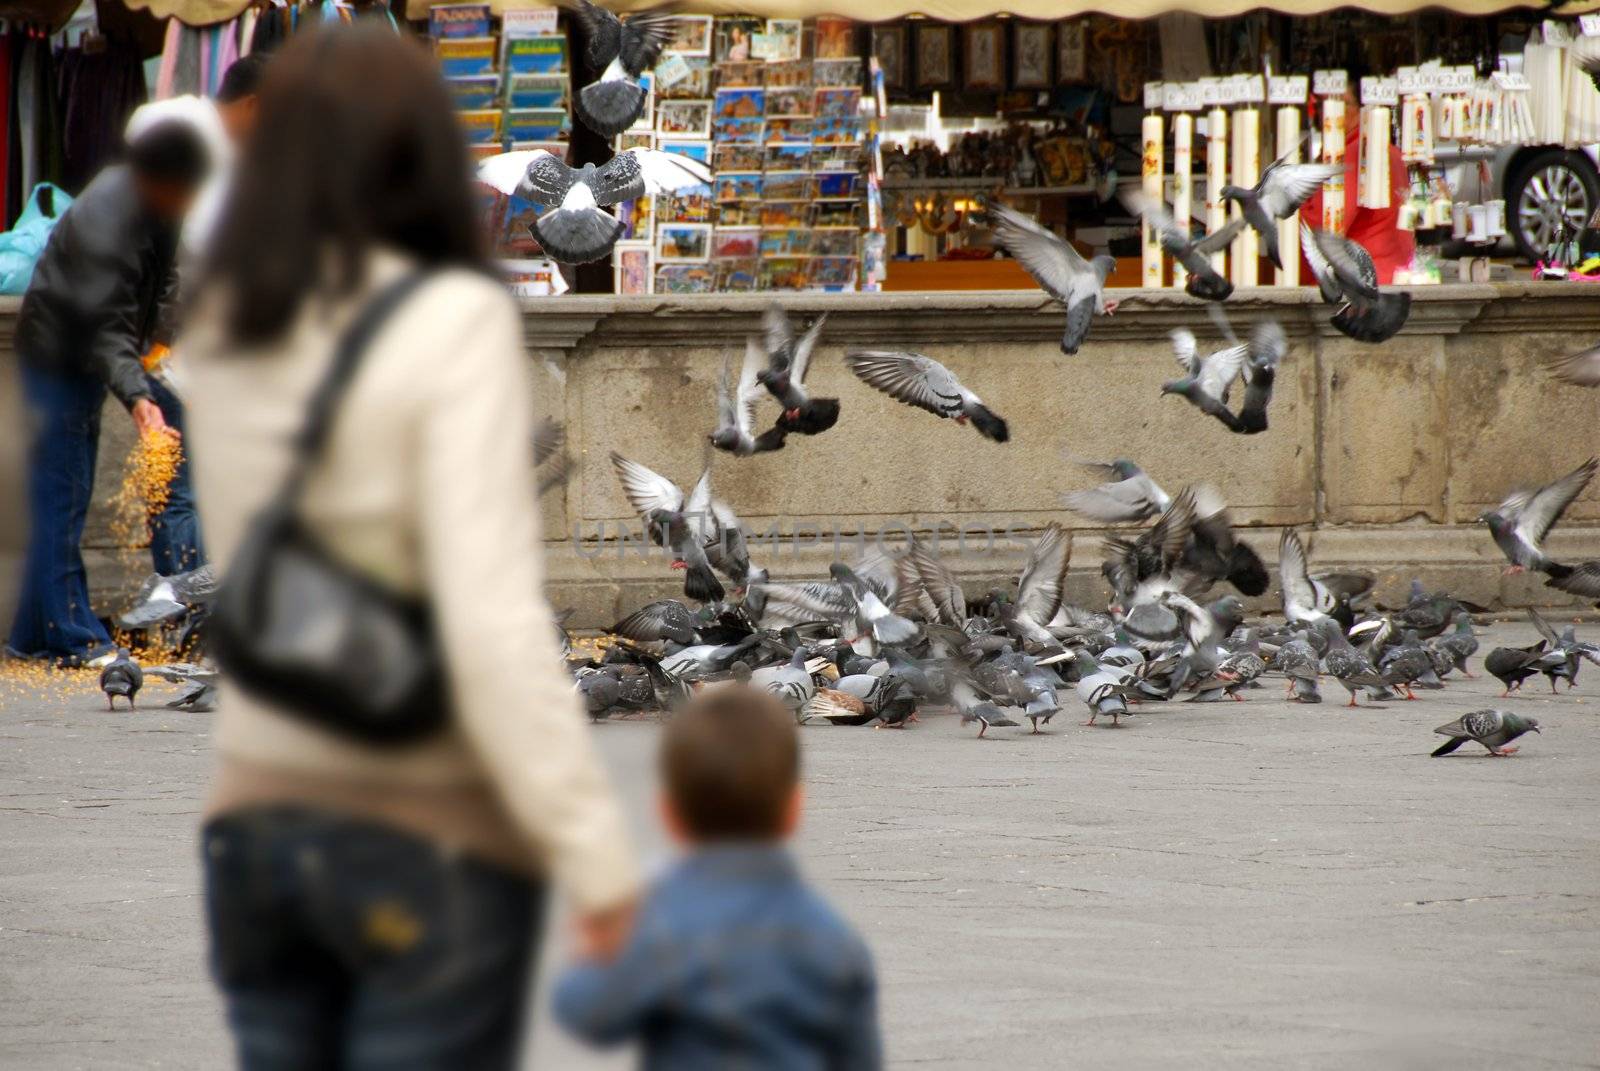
[{"x": 1153, "y": 167}]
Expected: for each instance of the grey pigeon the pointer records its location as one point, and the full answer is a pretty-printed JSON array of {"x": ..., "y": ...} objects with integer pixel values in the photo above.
[
  {"x": 1278, "y": 194},
  {"x": 1298, "y": 661},
  {"x": 973, "y": 708},
  {"x": 873, "y": 616},
  {"x": 665, "y": 619},
  {"x": 736, "y": 409},
  {"x": 1039, "y": 589},
  {"x": 1057, "y": 267},
  {"x": 122, "y": 676},
  {"x": 1206, "y": 380},
  {"x": 1177, "y": 241},
  {"x": 1566, "y": 653},
  {"x": 1513, "y": 665},
  {"x": 1458, "y": 646},
  {"x": 621, "y": 50},
  {"x": 1260, "y": 371},
  {"x": 791, "y": 683},
  {"x": 710, "y": 523},
  {"x": 1520, "y": 523},
  {"x": 923, "y": 382},
  {"x": 1103, "y": 691},
  {"x": 928, "y": 587},
  {"x": 200, "y": 695},
  {"x": 1132, "y": 496},
  {"x": 1347, "y": 665},
  {"x": 788, "y": 361},
  {"x": 1348, "y": 281},
  {"x": 1581, "y": 369},
  {"x": 575, "y": 230},
  {"x": 1494, "y": 729}
]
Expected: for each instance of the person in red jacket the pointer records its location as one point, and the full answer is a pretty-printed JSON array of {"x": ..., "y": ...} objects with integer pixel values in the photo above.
[{"x": 1376, "y": 229}]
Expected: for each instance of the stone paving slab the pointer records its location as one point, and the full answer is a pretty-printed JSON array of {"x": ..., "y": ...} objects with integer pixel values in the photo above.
[{"x": 1255, "y": 885}]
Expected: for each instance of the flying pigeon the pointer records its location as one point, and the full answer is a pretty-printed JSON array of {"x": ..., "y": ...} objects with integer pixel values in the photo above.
[
  {"x": 872, "y": 615},
  {"x": 575, "y": 230},
  {"x": 736, "y": 409},
  {"x": 1349, "y": 282},
  {"x": 1581, "y": 369},
  {"x": 1039, "y": 590},
  {"x": 1060, "y": 269},
  {"x": 1308, "y": 598},
  {"x": 1278, "y": 194},
  {"x": 200, "y": 695},
  {"x": 122, "y": 676},
  {"x": 788, "y": 361},
  {"x": 699, "y": 529},
  {"x": 1205, "y": 281},
  {"x": 1132, "y": 496},
  {"x": 665, "y": 619},
  {"x": 621, "y": 50},
  {"x": 1520, "y": 523},
  {"x": 1494, "y": 729},
  {"x": 1206, "y": 380},
  {"x": 1260, "y": 370},
  {"x": 924, "y": 382}
]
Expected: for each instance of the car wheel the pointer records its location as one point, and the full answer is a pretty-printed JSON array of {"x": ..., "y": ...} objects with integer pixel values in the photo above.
[{"x": 1551, "y": 189}]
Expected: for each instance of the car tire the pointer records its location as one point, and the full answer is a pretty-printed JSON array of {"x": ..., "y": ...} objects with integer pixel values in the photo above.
[{"x": 1548, "y": 184}]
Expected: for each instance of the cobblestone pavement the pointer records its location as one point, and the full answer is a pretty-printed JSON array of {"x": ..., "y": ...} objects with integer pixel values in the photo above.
[{"x": 1255, "y": 885}]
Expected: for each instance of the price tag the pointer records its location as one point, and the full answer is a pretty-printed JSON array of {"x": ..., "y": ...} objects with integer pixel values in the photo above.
[
  {"x": 1408, "y": 79},
  {"x": 1460, "y": 79},
  {"x": 1329, "y": 83},
  {"x": 1589, "y": 25},
  {"x": 1211, "y": 92},
  {"x": 1557, "y": 33},
  {"x": 1152, "y": 96},
  {"x": 1380, "y": 91},
  {"x": 1254, "y": 89},
  {"x": 1291, "y": 90},
  {"x": 1232, "y": 90},
  {"x": 1181, "y": 97},
  {"x": 1511, "y": 82}
]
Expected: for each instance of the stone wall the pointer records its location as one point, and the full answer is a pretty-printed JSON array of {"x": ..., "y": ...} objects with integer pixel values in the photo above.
[{"x": 1383, "y": 456}]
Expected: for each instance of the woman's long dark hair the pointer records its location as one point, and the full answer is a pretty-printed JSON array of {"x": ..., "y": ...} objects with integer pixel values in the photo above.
[{"x": 356, "y": 146}]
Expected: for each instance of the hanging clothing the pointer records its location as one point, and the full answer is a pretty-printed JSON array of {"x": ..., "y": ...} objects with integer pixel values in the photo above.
[{"x": 99, "y": 91}]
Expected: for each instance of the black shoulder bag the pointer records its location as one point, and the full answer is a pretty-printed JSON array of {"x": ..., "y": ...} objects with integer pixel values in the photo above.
[{"x": 295, "y": 627}]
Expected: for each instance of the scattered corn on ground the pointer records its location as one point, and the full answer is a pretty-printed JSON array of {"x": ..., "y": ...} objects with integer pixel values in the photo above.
[{"x": 146, "y": 482}]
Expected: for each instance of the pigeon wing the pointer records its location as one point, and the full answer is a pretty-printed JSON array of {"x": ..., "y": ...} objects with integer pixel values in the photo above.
[
  {"x": 1299, "y": 597},
  {"x": 910, "y": 378},
  {"x": 803, "y": 348},
  {"x": 1218, "y": 371},
  {"x": 506, "y": 171},
  {"x": 1053, "y": 263},
  {"x": 1113, "y": 503},
  {"x": 603, "y": 31},
  {"x": 664, "y": 172},
  {"x": 1580, "y": 369},
  {"x": 1286, "y": 187},
  {"x": 647, "y": 491},
  {"x": 1547, "y": 504},
  {"x": 1043, "y": 578},
  {"x": 643, "y": 36}
]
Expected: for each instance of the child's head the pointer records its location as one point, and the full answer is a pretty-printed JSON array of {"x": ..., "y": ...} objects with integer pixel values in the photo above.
[{"x": 730, "y": 768}]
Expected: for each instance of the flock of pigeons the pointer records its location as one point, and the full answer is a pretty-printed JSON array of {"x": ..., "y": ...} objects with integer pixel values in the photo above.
[{"x": 890, "y": 633}]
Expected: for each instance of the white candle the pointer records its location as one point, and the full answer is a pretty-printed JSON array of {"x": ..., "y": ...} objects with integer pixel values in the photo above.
[
  {"x": 1289, "y": 229},
  {"x": 1246, "y": 169},
  {"x": 1216, "y": 178},
  {"x": 1375, "y": 133},
  {"x": 1153, "y": 142},
  {"x": 1182, "y": 185},
  {"x": 1333, "y": 153}
]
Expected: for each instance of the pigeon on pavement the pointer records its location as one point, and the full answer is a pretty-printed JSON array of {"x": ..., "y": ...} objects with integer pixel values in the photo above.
[
  {"x": 1513, "y": 665},
  {"x": 1494, "y": 729},
  {"x": 122, "y": 676}
]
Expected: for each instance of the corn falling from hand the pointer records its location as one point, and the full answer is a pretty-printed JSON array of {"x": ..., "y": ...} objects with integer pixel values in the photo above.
[{"x": 146, "y": 483}]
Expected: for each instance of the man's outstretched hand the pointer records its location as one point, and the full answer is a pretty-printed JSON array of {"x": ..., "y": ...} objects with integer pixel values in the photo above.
[{"x": 147, "y": 418}]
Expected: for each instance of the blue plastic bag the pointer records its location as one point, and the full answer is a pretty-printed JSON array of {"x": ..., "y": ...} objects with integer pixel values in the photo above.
[{"x": 21, "y": 246}]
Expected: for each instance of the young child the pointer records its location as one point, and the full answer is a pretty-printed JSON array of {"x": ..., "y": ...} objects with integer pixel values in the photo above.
[{"x": 733, "y": 962}]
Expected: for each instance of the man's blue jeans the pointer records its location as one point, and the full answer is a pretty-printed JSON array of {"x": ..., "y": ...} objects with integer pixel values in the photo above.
[{"x": 54, "y": 616}]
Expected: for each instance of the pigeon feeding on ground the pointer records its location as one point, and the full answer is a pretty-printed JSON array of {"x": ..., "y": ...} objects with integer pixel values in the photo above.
[
  {"x": 1205, "y": 282},
  {"x": 1494, "y": 729},
  {"x": 1513, "y": 665},
  {"x": 122, "y": 676},
  {"x": 736, "y": 409},
  {"x": 575, "y": 230},
  {"x": 923, "y": 382},
  {"x": 1102, "y": 690},
  {"x": 1347, "y": 665},
  {"x": 1277, "y": 195},
  {"x": 1520, "y": 523},
  {"x": 1349, "y": 282},
  {"x": 788, "y": 361},
  {"x": 1060, "y": 269},
  {"x": 621, "y": 50}
]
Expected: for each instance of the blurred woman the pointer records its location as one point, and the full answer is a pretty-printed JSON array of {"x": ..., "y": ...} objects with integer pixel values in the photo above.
[{"x": 377, "y": 907}]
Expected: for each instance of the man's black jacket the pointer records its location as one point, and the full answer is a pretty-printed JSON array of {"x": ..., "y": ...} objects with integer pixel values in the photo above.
[{"x": 96, "y": 299}]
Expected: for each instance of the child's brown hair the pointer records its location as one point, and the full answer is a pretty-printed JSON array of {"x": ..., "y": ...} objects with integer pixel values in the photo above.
[{"x": 730, "y": 762}]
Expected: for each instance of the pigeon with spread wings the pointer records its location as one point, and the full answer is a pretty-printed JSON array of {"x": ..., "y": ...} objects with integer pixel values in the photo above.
[
  {"x": 1206, "y": 380},
  {"x": 575, "y": 230},
  {"x": 925, "y": 383},
  {"x": 1193, "y": 253},
  {"x": 736, "y": 408},
  {"x": 1520, "y": 523},
  {"x": 788, "y": 361},
  {"x": 1060, "y": 269},
  {"x": 1281, "y": 190},
  {"x": 621, "y": 50},
  {"x": 1349, "y": 282}
]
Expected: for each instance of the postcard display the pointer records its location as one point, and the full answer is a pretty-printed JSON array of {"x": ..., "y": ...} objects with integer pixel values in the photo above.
[
  {"x": 773, "y": 106},
  {"x": 510, "y": 92}
]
